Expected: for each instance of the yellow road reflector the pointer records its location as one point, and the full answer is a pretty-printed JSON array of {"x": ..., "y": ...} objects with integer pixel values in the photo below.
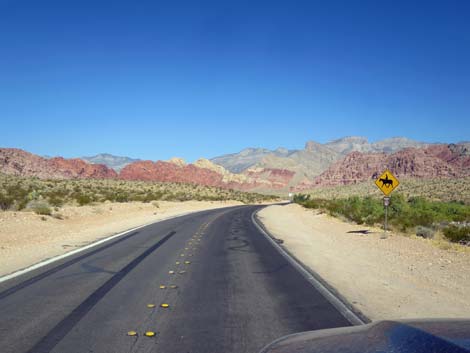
[
  {"x": 171, "y": 272},
  {"x": 132, "y": 333},
  {"x": 182, "y": 255},
  {"x": 162, "y": 286},
  {"x": 173, "y": 287},
  {"x": 177, "y": 262},
  {"x": 150, "y": 305},
  {"x": 164, "y": 305},
  {"x": 186, "y": 248},
  {"x": 187, "y": 262},
  {"x": 149, "y": 333}
]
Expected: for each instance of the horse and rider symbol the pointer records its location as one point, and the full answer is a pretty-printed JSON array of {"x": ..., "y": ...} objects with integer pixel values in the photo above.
[{"x": 386, "y": 182}]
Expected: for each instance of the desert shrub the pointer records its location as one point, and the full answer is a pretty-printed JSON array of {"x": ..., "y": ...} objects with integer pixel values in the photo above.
[
  {"x": 6, "y": 202},
  {"x": 403, "y": 213},
  {"x": 40, "y": 207},
  {"x": 457, "y": 234},
  {"x": 22, "y": 190},
  {"x": 121, "y": 197},
  {"x": 424, "y": 232},
  {"x": 56, "y": 201},
  {"x": 83, "y": 199}
]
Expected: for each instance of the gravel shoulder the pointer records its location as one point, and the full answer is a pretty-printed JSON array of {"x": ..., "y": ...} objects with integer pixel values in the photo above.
[
  {"x": 27, "y": 238},
  {"x": 394, "y": 278}
]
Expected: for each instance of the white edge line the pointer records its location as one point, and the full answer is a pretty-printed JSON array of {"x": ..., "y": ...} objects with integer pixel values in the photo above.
[
  {"x": 86, "y": 247},
  {"x": 337, "y": 303}
]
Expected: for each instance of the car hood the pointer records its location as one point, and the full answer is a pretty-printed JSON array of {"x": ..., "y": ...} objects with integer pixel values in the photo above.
[{"x": 404, "y": 336}]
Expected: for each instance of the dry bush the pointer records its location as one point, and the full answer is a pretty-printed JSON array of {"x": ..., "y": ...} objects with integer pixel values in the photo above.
[{"x": 17, "y": 192}]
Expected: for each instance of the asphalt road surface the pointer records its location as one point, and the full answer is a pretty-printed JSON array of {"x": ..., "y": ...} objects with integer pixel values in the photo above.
[{"x": 227, "y": 289}]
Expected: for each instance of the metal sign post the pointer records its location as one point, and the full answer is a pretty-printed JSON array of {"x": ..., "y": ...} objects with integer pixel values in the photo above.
[
  {"x": 386, "y": 183},
  {"x": 386, "y": 204}
]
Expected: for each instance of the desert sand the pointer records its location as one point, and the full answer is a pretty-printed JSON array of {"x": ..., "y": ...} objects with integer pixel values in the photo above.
[
  {"x": 394, "y": 278},
  {"x": 27, "y": 238}
]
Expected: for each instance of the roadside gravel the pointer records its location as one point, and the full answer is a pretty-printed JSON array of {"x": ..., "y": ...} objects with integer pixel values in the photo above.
[{"x": 394, "y": 278}]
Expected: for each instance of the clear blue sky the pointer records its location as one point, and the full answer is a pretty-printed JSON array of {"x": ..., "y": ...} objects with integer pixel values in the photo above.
[{"x": 156, "y": 79}]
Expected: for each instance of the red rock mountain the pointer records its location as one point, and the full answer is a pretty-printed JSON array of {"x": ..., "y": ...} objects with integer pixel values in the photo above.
[
  {"x": 170, "y": 172},
  {"x": 203, "y": 172},
  {"x": 18, "y": 162},
  {"x": 435, "y": 161},
  {"x": 431, "y": 161},
  {"x": 21, "y": 163},
  {"x": 276, "y": 178}
]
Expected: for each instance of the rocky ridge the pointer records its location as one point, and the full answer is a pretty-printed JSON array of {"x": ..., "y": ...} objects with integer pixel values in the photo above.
[
  {"x": 434, "y": 161},
  {"x": 317, "y": 165},
  {"x": 18, "y": 162}
]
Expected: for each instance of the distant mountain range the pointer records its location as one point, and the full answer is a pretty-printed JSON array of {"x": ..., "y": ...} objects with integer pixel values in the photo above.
[
  {"x": 314, "y": 158},
  {"x": 115, "y": 162},
  {"x": 343, "y": 161}
]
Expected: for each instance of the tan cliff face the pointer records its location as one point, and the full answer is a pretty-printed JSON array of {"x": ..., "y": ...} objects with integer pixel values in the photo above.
[{"x": 178, "y": 161}]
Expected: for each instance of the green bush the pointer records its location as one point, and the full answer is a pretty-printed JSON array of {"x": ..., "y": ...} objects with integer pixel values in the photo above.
[
  {"x": 6, "y": 202},
  {"x": 83, "y": 199},
  {"x": 457, "y": 234},
  {"x": 121, "y": 197},
  {"x": 404, "y": 214}
]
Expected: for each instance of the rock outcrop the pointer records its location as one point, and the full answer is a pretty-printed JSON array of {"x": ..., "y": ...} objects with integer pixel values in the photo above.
[
  {"x": 435, "y": 161},
  {"x": 269, "y": 177},
  {"x": 204, "y": 172},
  {"x": 170, "y": 172},
  {"x": 21, "y": 163}
]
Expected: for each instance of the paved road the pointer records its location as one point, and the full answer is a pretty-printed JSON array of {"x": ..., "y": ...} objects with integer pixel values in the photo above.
[{"x": 233, "y": 293}]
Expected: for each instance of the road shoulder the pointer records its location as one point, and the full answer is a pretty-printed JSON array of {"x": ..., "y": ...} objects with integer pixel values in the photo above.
[
  {"x": 27, "y": 238},
  {"x": 392, "y": 278}
]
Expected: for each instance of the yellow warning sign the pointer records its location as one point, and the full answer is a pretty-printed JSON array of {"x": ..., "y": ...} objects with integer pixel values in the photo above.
[{"x": 387, "y": 182}]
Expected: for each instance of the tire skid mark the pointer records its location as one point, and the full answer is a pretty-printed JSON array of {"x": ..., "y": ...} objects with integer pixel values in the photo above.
[
  {"x": 43, "y": 275},
  {"x": 49, "y": 341}
]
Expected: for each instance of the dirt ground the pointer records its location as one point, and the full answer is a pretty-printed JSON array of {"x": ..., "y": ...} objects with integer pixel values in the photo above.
[
  {"x": 27, "y": 238},
  {"x": 394, "y": 278}
]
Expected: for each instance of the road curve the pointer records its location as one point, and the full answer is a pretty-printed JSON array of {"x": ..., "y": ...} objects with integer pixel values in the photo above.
[{"x": 227, "y": 289}]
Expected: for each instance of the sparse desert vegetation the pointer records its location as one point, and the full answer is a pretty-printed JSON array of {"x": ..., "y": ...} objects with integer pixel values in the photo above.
[
  {"x": 40, "y": 196},
  {"x": 406, "y": 214}
]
